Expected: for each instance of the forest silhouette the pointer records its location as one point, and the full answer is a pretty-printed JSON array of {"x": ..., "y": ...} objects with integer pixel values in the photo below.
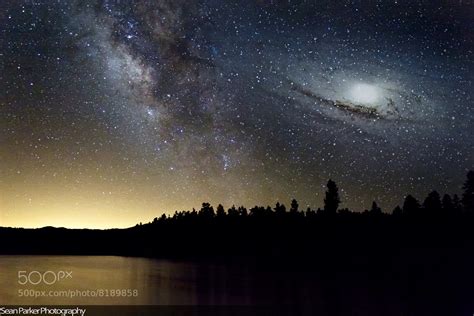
[
  {"x": 432, "y": 208},
  {"x": 273, "y": 232}
]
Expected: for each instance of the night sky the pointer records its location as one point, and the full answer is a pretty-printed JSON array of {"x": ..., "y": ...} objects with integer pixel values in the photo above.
[{"x": 114, "y": 111}]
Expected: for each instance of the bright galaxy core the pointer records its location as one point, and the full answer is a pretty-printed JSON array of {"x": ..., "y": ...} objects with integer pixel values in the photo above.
[
  {"x": 365, "y": 94},
  {"x": 112, "y": 112}
]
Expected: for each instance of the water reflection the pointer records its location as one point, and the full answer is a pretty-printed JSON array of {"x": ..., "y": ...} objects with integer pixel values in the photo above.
[
  {"x": 323, "y": 290},
  {"x": 157, "y": 282}
]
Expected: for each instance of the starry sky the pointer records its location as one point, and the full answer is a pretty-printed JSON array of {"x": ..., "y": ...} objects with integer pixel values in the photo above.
[{"x": 113, "y": 112}]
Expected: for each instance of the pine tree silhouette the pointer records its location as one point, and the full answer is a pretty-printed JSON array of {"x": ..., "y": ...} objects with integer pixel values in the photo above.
[
  {"x": 457, "y": 206},
  {"x": 220, "y": 212},
  {"x": 447, "y": 204},
  {"x": 468, "y": 195},
  {"x": 294, "y": 206},
  {"x": 432, "y": 203},
  {"x": 397, "y": 211},
  {"x": 411, "y": 206},
  {"x": 375, "y": 209},
  {"x": 332, "y": 200}
]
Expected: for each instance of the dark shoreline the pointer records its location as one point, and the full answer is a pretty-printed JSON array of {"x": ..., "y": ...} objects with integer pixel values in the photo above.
[{"x": 261, "y": 237}]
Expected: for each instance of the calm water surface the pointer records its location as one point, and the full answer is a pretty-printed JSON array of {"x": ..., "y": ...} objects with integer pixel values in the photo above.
[
  {"x": 149, "y": 281},
  {"x": 334, "y": 291}
]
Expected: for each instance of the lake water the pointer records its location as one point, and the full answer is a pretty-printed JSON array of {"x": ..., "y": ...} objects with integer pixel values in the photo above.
[
  {"x": 141, "y": 281},
  {"x": 110, "y": 280},
  {"x": 118, "y": 280}
]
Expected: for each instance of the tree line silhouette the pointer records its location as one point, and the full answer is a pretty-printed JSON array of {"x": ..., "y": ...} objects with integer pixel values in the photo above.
[
  {"x": 433, "y": 206},
  {"x": 271, "y": 232}
]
